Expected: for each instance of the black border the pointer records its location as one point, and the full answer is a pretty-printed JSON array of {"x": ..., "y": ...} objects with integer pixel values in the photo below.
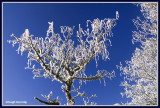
[{"x": 30, "y": 1}]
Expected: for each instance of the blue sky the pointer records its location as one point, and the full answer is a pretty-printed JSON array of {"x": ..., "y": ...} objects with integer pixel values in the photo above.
[{"x": 18, "y": 83}]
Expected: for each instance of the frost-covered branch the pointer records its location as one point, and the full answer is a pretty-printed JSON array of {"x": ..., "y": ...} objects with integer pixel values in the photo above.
[
  {"x": 146, "y": 28},
  {"x": 54, "y": 102},
  {"x": 101, "y": 74},
  {"x": 140, "y": 73},
  {"x": 79, "y": 94},
  {"x": 51, "y": 102},
  {"x": 83, "y": 94}
]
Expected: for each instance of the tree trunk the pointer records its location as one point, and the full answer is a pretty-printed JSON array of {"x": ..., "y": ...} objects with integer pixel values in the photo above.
[{"x": 70, "y": 101}]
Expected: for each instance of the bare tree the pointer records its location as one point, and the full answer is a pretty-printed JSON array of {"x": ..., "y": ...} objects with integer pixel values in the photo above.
[
  {"x": 62, "y": 60},
  {"x": 141, "y": 72}
]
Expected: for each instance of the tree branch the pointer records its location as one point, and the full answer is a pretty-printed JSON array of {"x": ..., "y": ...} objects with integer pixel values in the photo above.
[
  {"x": 54, "y": 102},
  {"x": 98, "y": 76}
]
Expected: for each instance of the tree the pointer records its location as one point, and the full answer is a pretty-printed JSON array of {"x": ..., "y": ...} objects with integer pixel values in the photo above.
[
  {"x": 141, "y": 72},
  {"x": 61, "y": 60}
]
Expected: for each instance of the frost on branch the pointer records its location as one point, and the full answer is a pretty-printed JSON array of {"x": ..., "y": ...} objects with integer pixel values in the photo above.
[
  {"x": 141, "y": 72},
  {"x": 51, "y": 102},
  {"x": 141, "y": 75},
  {"x": 60, "y": 59},
  {"x": 148, "y": 27}
]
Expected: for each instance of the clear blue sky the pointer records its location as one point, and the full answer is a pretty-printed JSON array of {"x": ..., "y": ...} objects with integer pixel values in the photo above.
[{"x": 18, "y": 83}]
